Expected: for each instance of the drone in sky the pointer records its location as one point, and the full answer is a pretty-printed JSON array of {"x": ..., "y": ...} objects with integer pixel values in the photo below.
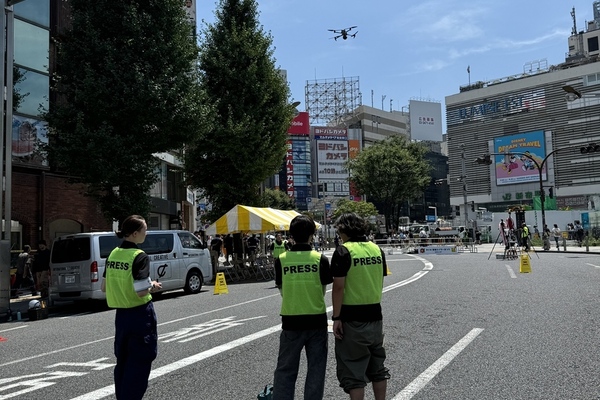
[{"x": 343, "y": 33}]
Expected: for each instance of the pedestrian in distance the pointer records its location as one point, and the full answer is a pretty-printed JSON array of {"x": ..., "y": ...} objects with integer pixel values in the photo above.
[
  {"x": 23, "y": 271},
  {"x": 302, "y": 275},
  {"x": 556, "y": 234},
  {"x": 216, "y": 244},
  {"x": 358, "y": 267},
  {"x": 279, "y": 246},
  {"x": 128, "y": 288},
  {"x": 41, "y": 268}
]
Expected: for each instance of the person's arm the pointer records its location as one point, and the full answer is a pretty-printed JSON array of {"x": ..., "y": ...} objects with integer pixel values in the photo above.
[
  {"x": 142, "y": 264},
  {"x": 337, "y": 297},
  {"x": 277, "y": 268}
]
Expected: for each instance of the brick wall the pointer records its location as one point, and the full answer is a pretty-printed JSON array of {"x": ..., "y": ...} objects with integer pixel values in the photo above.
[{"x": 40, "y": 198}]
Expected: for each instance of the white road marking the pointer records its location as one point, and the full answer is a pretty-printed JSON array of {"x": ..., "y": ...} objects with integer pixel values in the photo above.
[
  {"x": 592, "y": 265},
  {"x": 184, "y": 362},
  {"x": 511, "y": 272},
  {"x": 12, "y": 329},
  {"x": 426, "y": 376}
]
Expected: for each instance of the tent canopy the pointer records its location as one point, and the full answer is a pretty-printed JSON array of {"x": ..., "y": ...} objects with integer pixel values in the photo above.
[{"x": 252, "y": 220}]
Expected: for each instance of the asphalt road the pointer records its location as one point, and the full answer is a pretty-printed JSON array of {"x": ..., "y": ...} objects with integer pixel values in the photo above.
[{"x": 457, "y": 327}]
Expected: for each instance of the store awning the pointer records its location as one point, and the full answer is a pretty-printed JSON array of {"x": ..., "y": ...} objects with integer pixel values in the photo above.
[{"x": 252, "y": 220}]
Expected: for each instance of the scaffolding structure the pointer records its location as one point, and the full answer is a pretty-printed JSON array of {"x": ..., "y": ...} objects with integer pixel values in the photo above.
[{"x": 330, "y": 101}]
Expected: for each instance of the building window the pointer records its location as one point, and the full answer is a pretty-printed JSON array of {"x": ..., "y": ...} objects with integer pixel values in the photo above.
[
  {"x": 592, "y": 79},
  {"x": 31, "y": 46},
  {"x": 37, "y": 11},
  {"x": 35, "y": 87},
  {"x": 593, "y": 44}
]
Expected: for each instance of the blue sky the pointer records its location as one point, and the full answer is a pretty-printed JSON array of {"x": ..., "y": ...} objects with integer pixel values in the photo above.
[{"x": 413, "y": 49}]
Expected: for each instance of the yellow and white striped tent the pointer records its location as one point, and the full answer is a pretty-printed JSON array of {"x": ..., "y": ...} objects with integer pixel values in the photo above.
[{"x": 252, "y": 220}]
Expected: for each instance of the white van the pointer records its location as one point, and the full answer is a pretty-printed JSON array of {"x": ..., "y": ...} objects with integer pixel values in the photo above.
[{"x": 177, "y": 259}]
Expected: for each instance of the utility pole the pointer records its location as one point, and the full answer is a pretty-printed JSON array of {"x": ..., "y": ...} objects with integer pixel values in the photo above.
[{"x": 463, "y": 179}]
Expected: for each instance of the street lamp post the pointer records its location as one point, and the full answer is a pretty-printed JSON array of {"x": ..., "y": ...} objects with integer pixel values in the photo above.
[{"x": 463, "y": 179}]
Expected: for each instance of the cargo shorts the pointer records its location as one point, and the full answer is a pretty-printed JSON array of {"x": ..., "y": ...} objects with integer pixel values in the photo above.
[{"x": 360, "y": 355}]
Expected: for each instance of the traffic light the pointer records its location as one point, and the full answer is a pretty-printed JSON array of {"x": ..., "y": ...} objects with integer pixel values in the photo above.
[
  {"x": 590, "y": 148},
  {"x": 473, "y": 206},
  {"x": 551, "y": 192},
  {"x": 485, "y": 160}
]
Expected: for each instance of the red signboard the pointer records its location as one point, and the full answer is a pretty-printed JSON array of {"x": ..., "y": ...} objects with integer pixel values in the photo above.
[{"x": 300, "y": 125}]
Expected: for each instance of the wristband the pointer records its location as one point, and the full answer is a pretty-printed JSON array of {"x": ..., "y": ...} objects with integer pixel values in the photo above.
[{"x": 338, "y": 318}]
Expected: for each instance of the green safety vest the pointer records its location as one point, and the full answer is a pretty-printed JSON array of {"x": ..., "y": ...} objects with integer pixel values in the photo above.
[
  {"x": 301, "y": 287},
  {"x": 278, "y": 248},
  {"x": 525, "y": 232},
  {"x": 364, "y": 281},
  {"x": 119, "y": 279}
]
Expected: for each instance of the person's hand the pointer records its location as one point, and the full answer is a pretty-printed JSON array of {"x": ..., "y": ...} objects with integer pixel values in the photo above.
[
  {"x": 156, "y": 285},
  {"x": 338, "y": 330}
]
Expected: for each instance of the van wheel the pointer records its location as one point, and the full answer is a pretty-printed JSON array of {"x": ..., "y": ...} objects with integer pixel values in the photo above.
[{"x": 193, "y": 282}]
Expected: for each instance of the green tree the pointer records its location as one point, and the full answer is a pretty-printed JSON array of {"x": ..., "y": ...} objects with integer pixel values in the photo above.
[
  {"x": 391, "y": 172},
  {"x": 126, "y": 89},
  {"x": 277, "y": 199},
  {"x": 250, "y": 110},
  {"x": 362, "y": 208}
]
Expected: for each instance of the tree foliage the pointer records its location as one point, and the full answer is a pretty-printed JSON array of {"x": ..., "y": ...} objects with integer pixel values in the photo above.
[
  {"x": 250, "y": 110},
  {"x": 391, "y": 172},
  {"x": 277, "y": 199},
  {"x": 126, "y": 89},
  {"x": 363, "y": 208}
]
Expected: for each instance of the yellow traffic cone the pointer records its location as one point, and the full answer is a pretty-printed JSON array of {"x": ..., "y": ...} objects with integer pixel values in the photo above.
[
  {"x": 525, "y": 266},
  {"x": 221, "y": 284}
]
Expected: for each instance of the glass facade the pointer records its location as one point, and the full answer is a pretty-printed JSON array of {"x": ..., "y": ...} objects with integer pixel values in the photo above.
[
  {"x": 36, "y": 11},
  {"x": 31, "y": 57},
  {"x": 31, "y": 46}
]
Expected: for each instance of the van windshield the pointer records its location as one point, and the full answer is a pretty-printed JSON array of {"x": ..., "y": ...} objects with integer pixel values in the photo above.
[{"x": 71, "y": 250}]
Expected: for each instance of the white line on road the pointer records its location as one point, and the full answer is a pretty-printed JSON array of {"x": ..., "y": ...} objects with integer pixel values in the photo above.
[
  {"x": 592, "y": 265},
  {"x": 511, "y": 272},
  {"x": 110, "y": 389},
  {"x": 12, "y": 329},
  {"x": 426, "y": 376},
  {"x": 184, "y": 362}
]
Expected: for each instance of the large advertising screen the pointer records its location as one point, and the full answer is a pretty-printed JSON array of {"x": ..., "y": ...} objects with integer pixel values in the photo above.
[
  {"x": 425, "y": 120},
  {"x": 515, "y": 164}
]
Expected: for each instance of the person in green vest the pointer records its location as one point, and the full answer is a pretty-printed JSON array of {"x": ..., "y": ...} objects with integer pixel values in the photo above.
[
  {"x": 524, "y": 236},
  {"x": 128, "y": 286},
  {"x": 279, "y": 246},
  {"x": 358, "y": 267},
  {"x": 301, "y": 274}
]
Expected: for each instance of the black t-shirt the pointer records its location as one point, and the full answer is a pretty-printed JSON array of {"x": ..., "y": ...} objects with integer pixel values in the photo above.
[
  {"x": 141, "y": 263},
  {"x": 41, "y": 261},
  {"x": 341, "y": 262},
  {"x": 216, "y": 244}
]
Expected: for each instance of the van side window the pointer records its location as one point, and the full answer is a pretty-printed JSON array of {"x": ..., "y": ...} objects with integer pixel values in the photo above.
[
  {"x": 189, "y": 241},
  {"x": 108, "y": 244},
  {"x": 158, "y": 243}
]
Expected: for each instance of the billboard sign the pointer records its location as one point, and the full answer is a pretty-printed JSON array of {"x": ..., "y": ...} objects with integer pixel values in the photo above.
[
  {"x": 326, "y": 133},
  {"x": 300, "y": 125},
  {"x": 425, "y": 120},
  {"x": 29, "y": 136},
  {"x": 289, "y": 169},
  {"x": 514, "y": 165},
  {"x": 331, "y": 159},
  {"x": 190, "y": 11}
]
